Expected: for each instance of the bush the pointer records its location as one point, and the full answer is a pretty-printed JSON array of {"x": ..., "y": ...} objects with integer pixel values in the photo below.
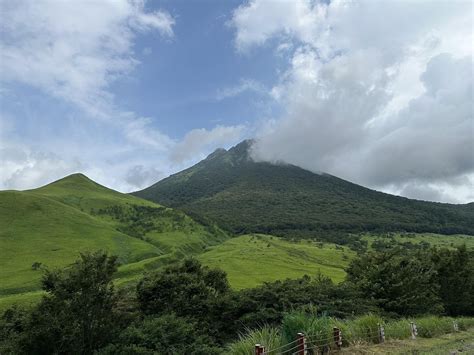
[{"x": 163, "y": 335}]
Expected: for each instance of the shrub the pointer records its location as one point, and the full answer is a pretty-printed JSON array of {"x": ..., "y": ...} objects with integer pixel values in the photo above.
[{"x": 167, "y": 334}]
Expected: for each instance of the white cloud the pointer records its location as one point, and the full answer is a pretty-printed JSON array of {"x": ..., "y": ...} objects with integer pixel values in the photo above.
[
  {"x": 24, "y": 168},
  {"x": 71, "y": 50},
  {"x": 139, "y": 131},
  {"x": 199, "y": 142},
  {"x": 379, "y": 93},
  {"x": 245, "y": 85},
  {"x": 75, "y": 52},
  {"x": 139, "y": 176}
]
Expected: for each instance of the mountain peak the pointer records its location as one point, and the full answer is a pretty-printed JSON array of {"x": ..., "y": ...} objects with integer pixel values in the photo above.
[
  {"x": 217, "y": 153},
  {"x": 243, "y": 195},
  {"x": 75, "y": 181},
  {"x": 243, "y": 148}
]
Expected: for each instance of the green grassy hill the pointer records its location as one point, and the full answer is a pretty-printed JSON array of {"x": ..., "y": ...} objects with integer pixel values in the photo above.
[
  {"x": 243, "y": 196},
  {"x": 53, "y": 224},
  {"x": 251, "y": 260}
]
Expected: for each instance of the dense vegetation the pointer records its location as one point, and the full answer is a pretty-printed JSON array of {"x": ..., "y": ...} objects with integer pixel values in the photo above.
[
  {"x": 189, "y": 308},
  {"x": 248, "y": 197}
]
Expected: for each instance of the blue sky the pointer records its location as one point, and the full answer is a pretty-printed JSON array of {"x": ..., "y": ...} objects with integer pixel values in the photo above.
[
  {"x": 130, "y": 91},
  {"x": 179, "y": 81}
]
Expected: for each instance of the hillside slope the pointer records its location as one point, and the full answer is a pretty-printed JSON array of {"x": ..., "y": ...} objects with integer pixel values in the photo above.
[
  {"x": 244, "y": 196},
  {"x": 250, "y": 260},
  {"x": 53, "y": 224}
]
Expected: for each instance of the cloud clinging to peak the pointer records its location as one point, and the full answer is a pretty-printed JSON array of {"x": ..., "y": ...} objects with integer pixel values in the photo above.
[{"x": 379, "y": 93}]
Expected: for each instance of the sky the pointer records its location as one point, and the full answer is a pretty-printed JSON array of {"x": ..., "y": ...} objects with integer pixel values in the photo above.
[{"x": 131, "y": 91}]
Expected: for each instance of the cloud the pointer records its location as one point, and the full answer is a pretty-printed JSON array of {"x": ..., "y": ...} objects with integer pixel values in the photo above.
[
  {"x": 139, "y": 176},
  {"x": 140, "y": 131},
  {"x": 245, "y": 85},
  {"x": 71, "y": 51},
  {"x": 377, "y": 93},
  {"x": 259, "y": 21},
  {"x": 197, "y": 143},
  {"x": 71, "y": 54},
  {"x": 122, "y": 163},
  {"x": 23, "y": 168}
]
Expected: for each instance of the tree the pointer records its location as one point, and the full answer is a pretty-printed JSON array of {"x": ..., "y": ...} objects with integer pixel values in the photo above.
[
  {"x": 77, "y": 315},
  {"x": 456, "y": 279},
  {"x": 187, "y": 290},
  {"x": 399, "y": 282},
  {"x": 167, "y": 334}
]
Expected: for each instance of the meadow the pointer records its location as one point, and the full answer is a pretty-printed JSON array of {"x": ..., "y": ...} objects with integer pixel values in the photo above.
[
  {"x": 48, "y": 228},
  {"x": 251, "y": 260}
]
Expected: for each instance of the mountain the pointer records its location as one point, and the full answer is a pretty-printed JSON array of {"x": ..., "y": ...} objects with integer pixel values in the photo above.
[
  {"x": 244, "y": 196},
  {"x": 51, "y": 225}
]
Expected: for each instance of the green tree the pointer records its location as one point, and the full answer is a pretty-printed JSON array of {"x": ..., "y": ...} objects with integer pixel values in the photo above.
[
  {"x": 456, "y": 279},
  {"x": 399, "y": 281},
  {"x": 167, "y": 334},
  {"x": 187, "y": 290},
  {"x": 77, "y": 315}
]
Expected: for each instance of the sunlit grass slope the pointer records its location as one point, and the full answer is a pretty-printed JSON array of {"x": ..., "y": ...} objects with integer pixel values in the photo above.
[
  {"x": 79, "y": 191},
  {"x": 53, "y": 224},
  {"x": 250, "y": 260},
  {"x": 438, "y": 240}
]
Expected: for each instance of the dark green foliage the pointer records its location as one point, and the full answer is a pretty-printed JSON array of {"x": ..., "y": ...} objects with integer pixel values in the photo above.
[
  {"x": 167, "y": 334},
  {"x": 187, "y": 290},
  {"x": 36, "y": 265},
  {"x": 455, "y": 276},
  {"x": 139, "y": 220},
  {"x": 184, "y": 289},
  {"x": 401, "y": 282},
  {"x": 13, "y": 325},
  {"x": 268, "y": 303},
  {"x": 77, "y": 314},
  {"x": 248, "y": 197}
]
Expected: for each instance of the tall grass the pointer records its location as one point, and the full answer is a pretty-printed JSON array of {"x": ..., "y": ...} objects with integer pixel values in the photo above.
[
  {"x": 366, "y": 328},
  {"x": 465, "y": 323},
  {"x": 313, "y": 326},
  {"x": 432, "y": 326},
  {"x": 267, "y": 336},
  {"x": 397, "y": 329},
  {"x": 318, "y": 330}
]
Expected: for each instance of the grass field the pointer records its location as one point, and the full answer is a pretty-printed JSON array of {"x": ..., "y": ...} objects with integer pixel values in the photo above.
[
  {"x": 250, "y": 260},
  {"x": 53, "y": 224}
]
